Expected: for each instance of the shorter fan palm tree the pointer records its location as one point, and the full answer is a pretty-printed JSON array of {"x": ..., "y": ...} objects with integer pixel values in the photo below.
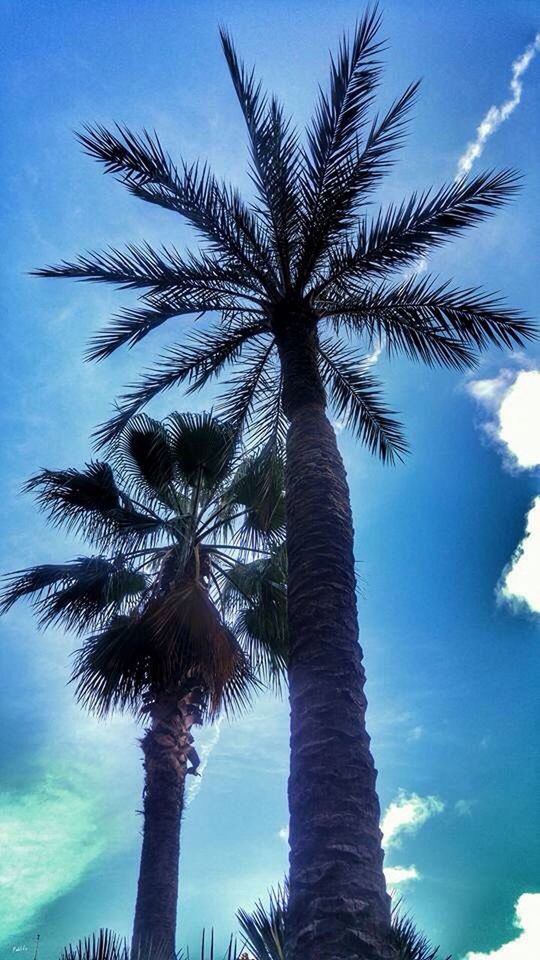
[{"x": 182, "y": 622}]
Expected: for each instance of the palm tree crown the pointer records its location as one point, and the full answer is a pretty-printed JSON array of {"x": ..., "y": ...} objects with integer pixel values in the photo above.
[
  {"x": 305, "y": 246},
  {"x": 177, "y": 521}
]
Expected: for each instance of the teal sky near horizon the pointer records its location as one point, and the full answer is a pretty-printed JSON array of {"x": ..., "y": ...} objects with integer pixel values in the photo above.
[{"x": 449, "y": 612}]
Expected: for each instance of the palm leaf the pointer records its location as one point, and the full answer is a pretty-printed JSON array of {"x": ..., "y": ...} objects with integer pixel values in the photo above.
[
  {"x": 89, "y": 502},
  {"x": 79, "y": 595},
  {"x": 399, "y": 236},
  {"x": 356, "y": 397},
  {"x": 276, "y": 159},
  {"x": 216, "y": 211},
  {"x": 202, "y": 447},
  {"x": 338, "y": 123}
]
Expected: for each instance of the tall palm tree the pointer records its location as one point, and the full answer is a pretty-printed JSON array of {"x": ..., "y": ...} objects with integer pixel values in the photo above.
[
  {"x": 304, "y": 279},
  {"x": 177, "y": 522}
]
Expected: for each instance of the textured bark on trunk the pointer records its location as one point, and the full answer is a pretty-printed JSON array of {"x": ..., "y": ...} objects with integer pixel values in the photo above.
[
  {"x": 165, "y": 745},
  {"x": 338, "y": 907}
]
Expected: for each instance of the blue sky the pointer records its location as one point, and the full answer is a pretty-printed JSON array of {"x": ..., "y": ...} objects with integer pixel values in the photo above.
[{"x": 450, "y": 631}]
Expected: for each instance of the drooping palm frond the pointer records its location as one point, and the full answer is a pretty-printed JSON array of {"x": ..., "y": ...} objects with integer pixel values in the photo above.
[
  {"x": 255, "y": 595},
  {"x": 89, "y": 502},
  {"x": 204, "y": 356},
  {"x": 355, "y": 395},
  {"x": 113, "y": 669},
  {"x": 80, "y": 595}
]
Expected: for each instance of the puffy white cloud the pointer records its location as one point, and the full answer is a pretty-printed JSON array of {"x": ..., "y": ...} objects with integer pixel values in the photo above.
[
  {"x": 513, "y": 401},
  {"x": 527, "y": 945},
  {"x": 520, "y": 582},
  {"x": 406, "y": 814},
  {"x": 518, "y": 419},
  {"x": 496, "y": 115}
]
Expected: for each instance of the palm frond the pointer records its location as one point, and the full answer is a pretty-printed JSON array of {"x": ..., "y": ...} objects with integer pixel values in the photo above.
[
  {"x": 192, "y": 639},
  {"x": 203, "y": 448},
  {"x": 355, "y": 178},
  {"x": 203, "y": 357},
  {"x": 409, "y": 943},
  {"x": 114, "y": 668},
  {"x": 400, "y": 235},
  {"x": 79, "y": 595},
  {"x": 90, "y": 503},
  {"x": 339, "y": 120},
  {"x": 107, "y": 945},
  {"x": 356, "y": 398},
  {"x": 251, "y": 382},
  {"x": 255, "y": 595},
  {"x": 259, "y": 488},
  {"x": 276, "y": 159},
  {"x": 433, "y": 322},
  {"x": 264, "y": 927},
  {"x": 213, "y": 209}
]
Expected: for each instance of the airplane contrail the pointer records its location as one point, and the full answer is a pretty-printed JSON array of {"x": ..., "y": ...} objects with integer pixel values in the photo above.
[{"x": 497, "y": 115}]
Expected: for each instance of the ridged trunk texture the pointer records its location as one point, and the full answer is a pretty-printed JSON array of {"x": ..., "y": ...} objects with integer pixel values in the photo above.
[
  {"x": 165, "y": 746},
  {"x": 338, "y": 907}
]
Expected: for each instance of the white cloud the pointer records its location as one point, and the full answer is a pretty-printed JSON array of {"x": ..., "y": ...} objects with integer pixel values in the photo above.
[
  {"x": 205, "y": 745},
  {"x": 496, "y": 115},
  {"x": 416, "y": 733},
  {"x": 520, "y": 582},
  {"x": 527, "y": 945},
  {"x": 519, "y": 414},
  {"x": 513, "y": 402},
  {"x": 406, "y": 814},
  {"x": 283, "y": 834},
  {"x": 463, "y": 808},
  {"x": 401, "y": 875}
]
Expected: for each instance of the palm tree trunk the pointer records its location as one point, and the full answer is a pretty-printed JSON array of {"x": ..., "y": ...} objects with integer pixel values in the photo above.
[
  {"x": 338, "y": 907},
  {"x": 165, "y": 745}
]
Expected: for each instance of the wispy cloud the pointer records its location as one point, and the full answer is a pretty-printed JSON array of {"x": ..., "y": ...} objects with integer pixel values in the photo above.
[
  {"x": 512, "y": 401},
  {"x": 50, "y": 835},
  {"x": 208, "y": 744},
  {"x": 527, "y": 944},
  {"x": 80, "y": 810},
  {"x": 496, "y": 115}
]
